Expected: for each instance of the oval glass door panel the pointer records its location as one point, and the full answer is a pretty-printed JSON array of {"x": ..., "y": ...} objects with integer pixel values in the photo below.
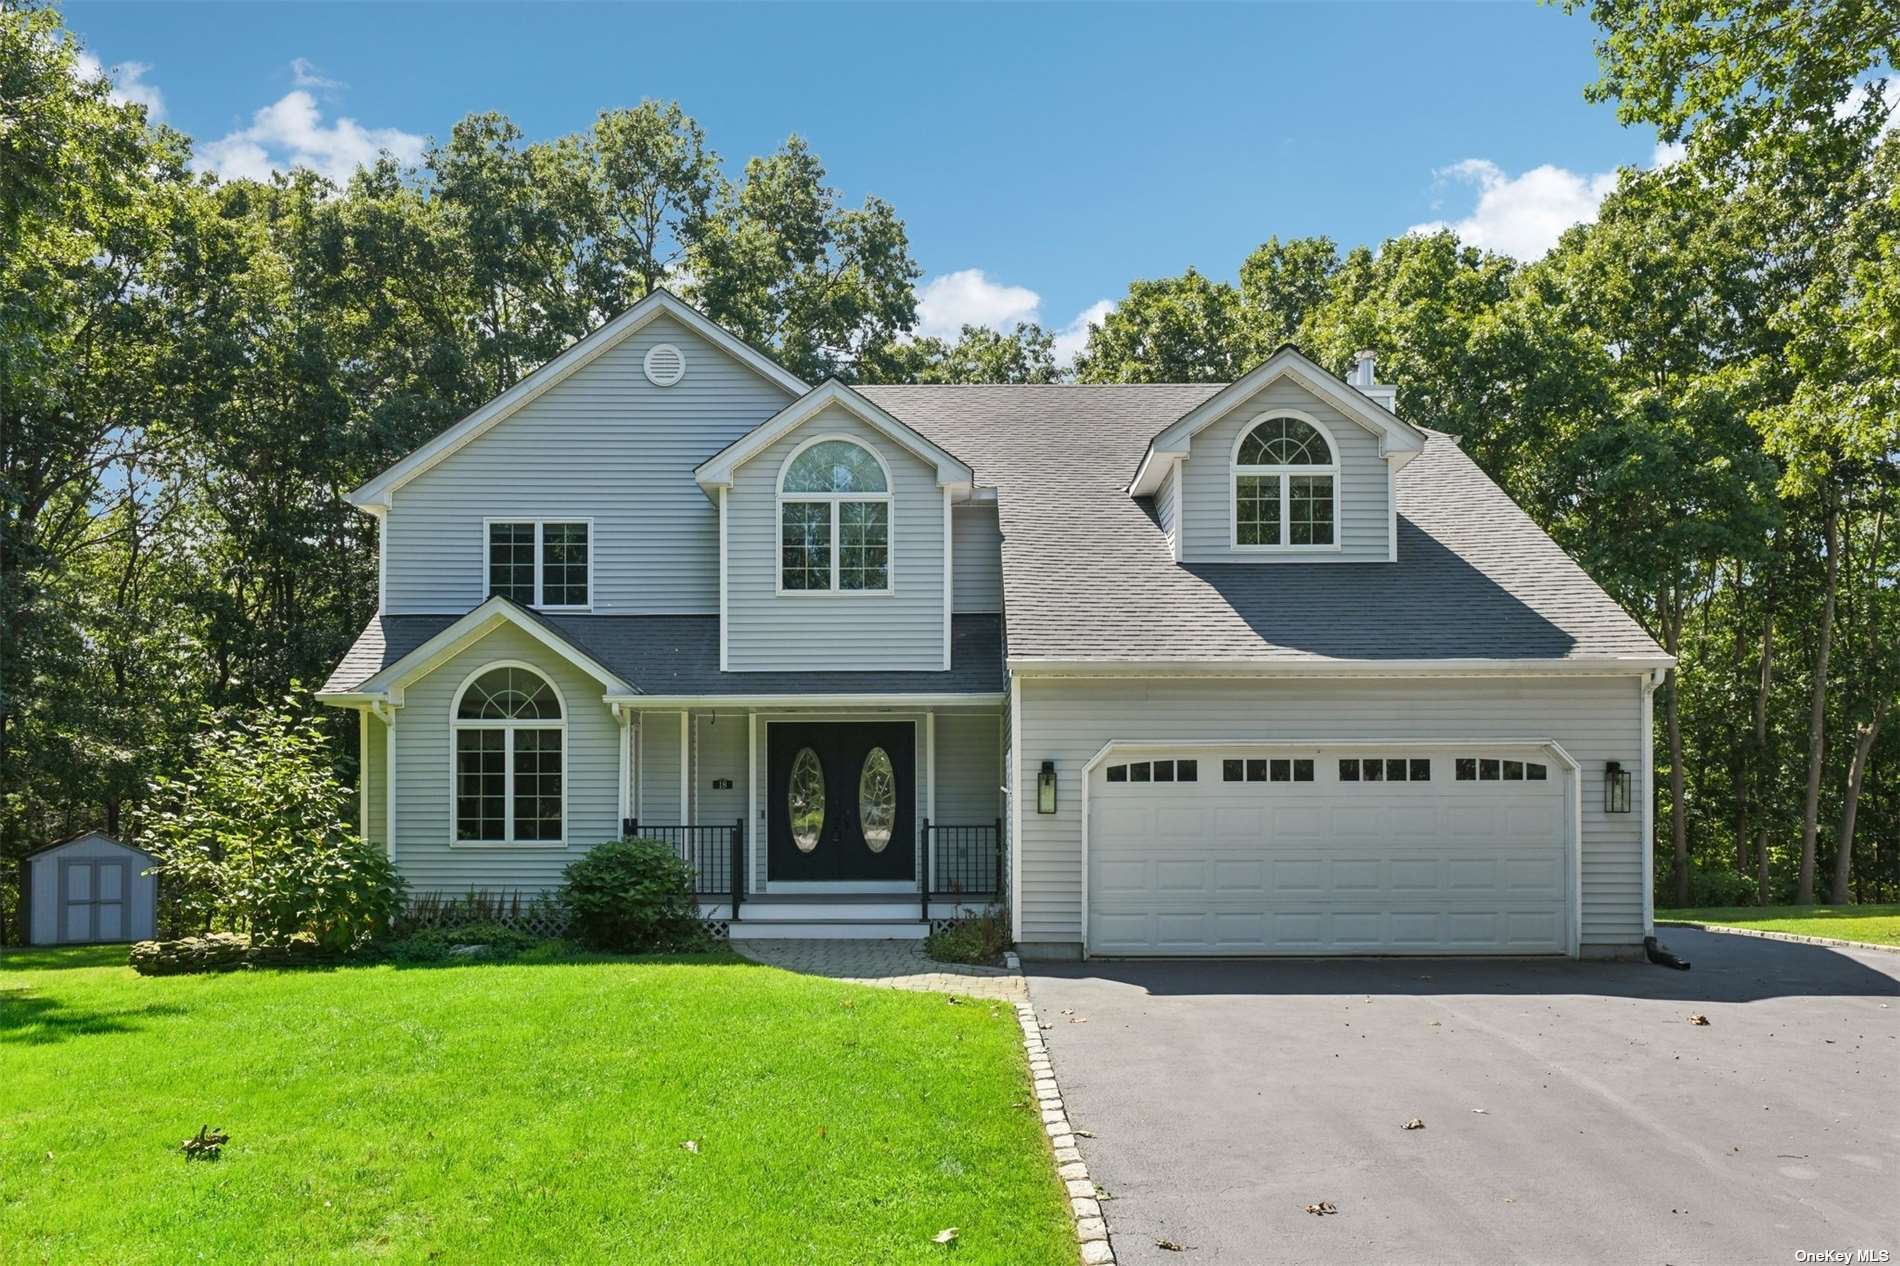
[
  {"x": 805, "y": 798},
  {"x": 877, "y": 799}
]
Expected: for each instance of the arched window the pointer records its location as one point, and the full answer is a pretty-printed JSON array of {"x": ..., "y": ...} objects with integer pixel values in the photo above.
[
  {"x": 509, "y": 728},
  {"x": 834, "y": 519},
  {"x": 1286, "y": 485}
]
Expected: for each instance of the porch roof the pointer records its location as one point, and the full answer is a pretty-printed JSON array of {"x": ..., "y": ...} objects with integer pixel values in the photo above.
[{"x": 678, "y": 655}]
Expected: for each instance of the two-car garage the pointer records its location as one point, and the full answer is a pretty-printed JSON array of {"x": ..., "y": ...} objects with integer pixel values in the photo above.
[{"x": 1396, "y": 849}]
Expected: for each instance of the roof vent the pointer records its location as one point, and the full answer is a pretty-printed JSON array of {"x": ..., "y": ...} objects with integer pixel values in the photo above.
[
  {"x": 665, "y": 364},
  {"x": 1360, "y": 376}
]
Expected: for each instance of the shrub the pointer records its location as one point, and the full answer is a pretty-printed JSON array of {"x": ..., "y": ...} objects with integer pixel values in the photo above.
[
  {"x": 223, "y": 951},
  {"x": 435, "y": 945},
  {"x": 979, "y": 938},
  {"x": 632, "y": 896},
  {"x": 256, "y": 837},
  {"x": 1720, "y": 887}
]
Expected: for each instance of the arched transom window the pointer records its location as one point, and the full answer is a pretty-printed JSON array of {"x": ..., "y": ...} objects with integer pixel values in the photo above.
[
  {"x": 509, "y": 728},
  {"x": 1286, "y": 486},
  {"x": 834, "y": 520}
]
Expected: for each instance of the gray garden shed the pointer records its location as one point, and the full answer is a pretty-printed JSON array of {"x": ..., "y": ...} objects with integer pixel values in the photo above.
[{"x": 88, "y": 888}]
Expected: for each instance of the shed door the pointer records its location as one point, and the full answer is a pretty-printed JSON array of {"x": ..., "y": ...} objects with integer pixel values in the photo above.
[
  {"x": 93, "y": 904},
  {"x": 1328, "y": 851}
]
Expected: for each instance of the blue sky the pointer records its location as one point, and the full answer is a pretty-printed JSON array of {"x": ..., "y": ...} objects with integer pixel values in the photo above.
[{"x": 1042, "y": 157}]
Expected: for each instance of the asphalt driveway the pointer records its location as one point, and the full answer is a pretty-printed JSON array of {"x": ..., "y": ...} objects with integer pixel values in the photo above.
[{"x": 1573, "y": 1113}]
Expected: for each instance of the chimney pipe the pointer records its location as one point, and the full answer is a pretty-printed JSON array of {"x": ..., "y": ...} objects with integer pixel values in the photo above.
[{"x": 1362, "y": 369}]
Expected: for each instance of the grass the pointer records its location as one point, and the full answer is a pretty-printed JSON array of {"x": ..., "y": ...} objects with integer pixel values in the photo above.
[
  {"x": 531, "y": 1111},
  {"x": 1877, "y": 925}
]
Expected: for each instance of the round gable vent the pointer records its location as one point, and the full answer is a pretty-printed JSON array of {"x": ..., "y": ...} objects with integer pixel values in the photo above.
[{"x": 665, "y": 364}]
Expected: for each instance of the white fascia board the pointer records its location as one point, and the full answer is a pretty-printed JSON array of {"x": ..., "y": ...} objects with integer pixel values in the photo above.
[
  {"x": 1395, "y": 434},
  {"x": 668, "y": 703},
  {"x": 717, "y": 470},
  {"x": 1621, "y": 666},
  {"x": 660, "y": 302},
  {"x": 389, "y": 683}
]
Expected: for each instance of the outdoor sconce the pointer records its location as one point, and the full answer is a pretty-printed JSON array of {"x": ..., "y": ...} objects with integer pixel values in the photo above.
[
  {"x": 1046, "y": 788},
  {"x": 1616, "y": 788}
]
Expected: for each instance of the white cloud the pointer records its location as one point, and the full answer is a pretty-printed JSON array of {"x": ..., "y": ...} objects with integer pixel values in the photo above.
[
  {"x": 948, "y": 303},
  {"x": 1073, "y": 337},
  {"x": 290, "y": 132},
  {"x": 128, "y": 84},
  {"x": 305, "y": 74},
  {"x": 1524, "y": 215},
  {"x": 1668, "y": 153},
  {"x": 951, "y": 301}
]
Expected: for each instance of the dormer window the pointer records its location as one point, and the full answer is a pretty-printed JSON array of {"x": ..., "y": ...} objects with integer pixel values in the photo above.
[
  {"x": 1285, "y": 485},
  {"x": 834, "y": 519}
]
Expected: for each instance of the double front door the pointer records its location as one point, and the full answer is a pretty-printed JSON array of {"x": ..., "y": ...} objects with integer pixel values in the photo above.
[{"x": 841, "y": 800}]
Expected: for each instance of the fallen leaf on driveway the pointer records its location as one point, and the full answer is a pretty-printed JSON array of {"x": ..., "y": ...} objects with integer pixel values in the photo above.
[
  {"x": 1078, "y": 1019},
  {"x": 1483, "y": 1112},
  {"x": 691, "y": 1145},
  {"x": 1416, "y": 1123},
  {"x": 1087, "y": 1134},
  {"x": 1170, "y": 1245},
  {"x": 1699, "y": 1018},
  {"x": 1323, "y": 1208},
  {"x": 946, "y": 1236}
]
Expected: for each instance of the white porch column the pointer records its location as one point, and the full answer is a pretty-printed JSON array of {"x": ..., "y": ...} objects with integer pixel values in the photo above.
[
  {"x": 389, "y": 778},
  {"x": 624, "y": 716},
  {"x": 752, "y": 789},
  {"x": 686, "y": 766}
]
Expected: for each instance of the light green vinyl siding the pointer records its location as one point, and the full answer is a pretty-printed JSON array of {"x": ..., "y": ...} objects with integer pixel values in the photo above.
[
  {"x": 607, "y": 445},
  {"x": 976, "y": 560},
  {"x": 899, "y": 630},
  {"x": 425, "y": 824}
]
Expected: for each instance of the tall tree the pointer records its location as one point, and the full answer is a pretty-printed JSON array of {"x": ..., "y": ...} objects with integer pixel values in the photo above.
[
  {"x": 784, "y": 264},
  {"x": 1176, "y": 329}
]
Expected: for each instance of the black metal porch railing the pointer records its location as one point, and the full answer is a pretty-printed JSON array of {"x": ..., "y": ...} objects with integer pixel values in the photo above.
[
  {"x": 716, "y": 854},
  {"x": 963, "y": 862}
]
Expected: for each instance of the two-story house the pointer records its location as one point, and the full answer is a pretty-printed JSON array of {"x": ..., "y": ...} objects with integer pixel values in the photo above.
[{"x": 1184, "y": 669}]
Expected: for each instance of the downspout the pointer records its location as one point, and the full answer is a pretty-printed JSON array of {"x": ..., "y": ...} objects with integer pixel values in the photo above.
[{"x": 1652, "y": 948}]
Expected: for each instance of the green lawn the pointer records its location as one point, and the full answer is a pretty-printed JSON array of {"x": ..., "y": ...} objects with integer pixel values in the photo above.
[
  {"x": 1879, "y": 925},
  {"x": 521, "y": 1112}
]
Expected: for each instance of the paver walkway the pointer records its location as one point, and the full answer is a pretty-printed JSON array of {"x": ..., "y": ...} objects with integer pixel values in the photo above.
[{"x": 887, "y": 964}]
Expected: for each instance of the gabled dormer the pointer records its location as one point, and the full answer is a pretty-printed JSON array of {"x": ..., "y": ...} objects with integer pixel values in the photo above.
[
  {"x": 835, "y": 540},
  {"x": 1289, "y": 464}
]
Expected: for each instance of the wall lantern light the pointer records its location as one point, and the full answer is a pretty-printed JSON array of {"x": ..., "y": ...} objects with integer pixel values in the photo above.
[
  {"x": 1616, "y": 788},
  {"x": 1046, "y": 788}
]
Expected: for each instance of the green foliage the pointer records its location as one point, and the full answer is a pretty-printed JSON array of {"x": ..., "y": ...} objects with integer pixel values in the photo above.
[
  {"x": 979, "y": 938},
  {"x": 433, "y": 945},
  {"x": 1719, "y": 886},
  {"x": 632, "y": 896},
  {"x": 980, "y": 355},
  {"x": 255, "y": 837}
]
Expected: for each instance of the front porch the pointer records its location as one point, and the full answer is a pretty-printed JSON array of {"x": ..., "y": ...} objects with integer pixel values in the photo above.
[{"x": 865, "y": 823}]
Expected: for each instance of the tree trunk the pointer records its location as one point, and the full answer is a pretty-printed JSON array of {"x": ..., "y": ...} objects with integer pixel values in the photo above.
[
  {"x": 1672, "y": 721},
  {"x": 1856, "y": 773},
  {"x": 1758, "y": 754},
  {"x": 1817, "y": 709}
]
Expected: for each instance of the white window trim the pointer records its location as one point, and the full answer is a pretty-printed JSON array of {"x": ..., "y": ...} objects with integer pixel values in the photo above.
[
  {"x": 1236, "y": 471},
  {"x": 540, "y": 522},
  {"x": 835, "y": 499},
  {"x": 458, "y": 724}
]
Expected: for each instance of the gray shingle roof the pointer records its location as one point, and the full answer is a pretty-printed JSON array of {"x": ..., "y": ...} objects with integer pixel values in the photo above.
[
  {"x": 679, "y": 655},
  {"x": 1087, "y": 572}
]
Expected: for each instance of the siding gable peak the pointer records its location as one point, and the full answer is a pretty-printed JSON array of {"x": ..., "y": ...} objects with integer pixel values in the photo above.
[
  {"x": 374, "y": 496},
  {"x": 1398, "y": 440},
  {"x": 717, "y": 471}
]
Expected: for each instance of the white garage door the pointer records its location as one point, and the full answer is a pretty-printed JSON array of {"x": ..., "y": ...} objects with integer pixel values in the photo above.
[{"x": 1328, "y": 851}]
